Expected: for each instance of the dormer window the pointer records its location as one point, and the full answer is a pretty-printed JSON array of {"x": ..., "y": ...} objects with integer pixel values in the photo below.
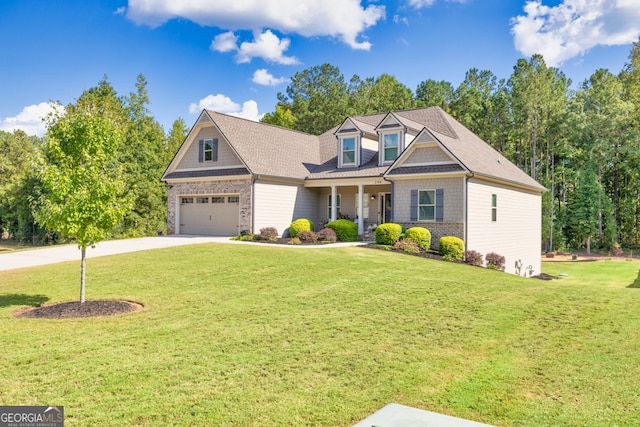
[
  {"x": 390, "y": 146},
  {"x": 348, "y": 151}
]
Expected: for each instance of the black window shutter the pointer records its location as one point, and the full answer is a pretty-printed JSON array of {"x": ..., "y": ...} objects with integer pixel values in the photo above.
[
  {"x": 201, "y": 151},
  {"x": 215, "y": 150},
  {"x": 414, "y": 205},
  {"x": 440, "y": 204}
]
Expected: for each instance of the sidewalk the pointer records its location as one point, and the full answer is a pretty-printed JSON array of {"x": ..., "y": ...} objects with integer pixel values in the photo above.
[{"x": 62, "y": 253}]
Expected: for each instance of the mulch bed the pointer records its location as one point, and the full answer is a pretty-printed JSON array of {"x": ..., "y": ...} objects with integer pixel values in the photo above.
[{"x": 76, "y": 309}]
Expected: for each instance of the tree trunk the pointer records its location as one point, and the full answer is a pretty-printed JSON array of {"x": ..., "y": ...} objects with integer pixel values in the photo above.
[
  {"x": 83, "y": 267},
  {"x": 589, "y": 245}
]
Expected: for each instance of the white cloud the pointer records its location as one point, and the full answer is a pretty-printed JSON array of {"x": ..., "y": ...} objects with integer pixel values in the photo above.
[
  {"x": 30, "y": 119},
  {"x": 224, "y": 104},
  {"x": 264, "y": 78},
  {"x": 420, "y": 3},
  {"x": 574, "y": 26},
  {"x": 344, "y": 19},
  {"x": 120, "y": 11},
  {"x": 225, "y": 42},
  {"x": 267, "y": 46}
]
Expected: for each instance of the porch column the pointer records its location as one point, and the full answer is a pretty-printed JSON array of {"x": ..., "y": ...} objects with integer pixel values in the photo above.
[
  {"x": 360, "y": 210},
  {"x": 334, "y": 207}
]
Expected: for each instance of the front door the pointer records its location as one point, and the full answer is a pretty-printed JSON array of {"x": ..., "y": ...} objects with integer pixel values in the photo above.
[{"x": 385, "y": 208}]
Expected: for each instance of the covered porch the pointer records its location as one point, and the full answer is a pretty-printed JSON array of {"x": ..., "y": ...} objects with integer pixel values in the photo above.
[{"x": 367, "y": 202}]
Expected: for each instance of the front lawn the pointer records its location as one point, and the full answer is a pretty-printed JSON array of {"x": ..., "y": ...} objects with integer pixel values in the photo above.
[{"x": 250, "y": 335}]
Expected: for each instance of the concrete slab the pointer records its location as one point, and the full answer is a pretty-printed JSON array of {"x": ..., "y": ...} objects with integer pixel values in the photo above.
[
  {"x": 62, "y": 253},
  {"x": 395, "y": 415}
]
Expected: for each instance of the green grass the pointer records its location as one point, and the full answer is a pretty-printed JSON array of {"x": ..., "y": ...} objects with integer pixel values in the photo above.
[{"x": 251, "y": 335}]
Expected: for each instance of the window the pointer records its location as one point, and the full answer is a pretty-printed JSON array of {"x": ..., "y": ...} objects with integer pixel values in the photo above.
[
  {"x": 390, "y": 146},
  {"x": 337, "y": 206},
  {"x": 348, "y": 151},
  {"x": 217, "y": 200},
  {"x": 426, "y": 205},
  {"x": 233, "y": 199},
  {"x": 208, "y": 150},
  {"x": 202, "y": 200},
  {"x": 365, "y": 205},
  {"x": 186, "y": 200},
  {"x": 494, "y": 207}
]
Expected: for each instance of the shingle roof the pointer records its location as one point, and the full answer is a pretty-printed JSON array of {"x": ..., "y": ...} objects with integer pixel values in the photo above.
[
  {"x": 410, "y": 170},
  {"x": 275, "y": 151},
  {"x": 202, "y": 173},
  {"x": 269, "y": 150}
]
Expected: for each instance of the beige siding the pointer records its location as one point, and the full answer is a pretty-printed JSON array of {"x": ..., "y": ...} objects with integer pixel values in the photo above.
[
  {"x": 369, "y": 149},
  {"x": 453, "y": 197},
  {"x": 226, "y": 156},
  {"x": 515, "y": 234},
  {"x": 278, "y": 204},
  {"x": 427, "y": 155}
]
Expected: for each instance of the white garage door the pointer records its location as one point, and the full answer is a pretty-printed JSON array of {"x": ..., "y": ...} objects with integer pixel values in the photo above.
[{"x": 209, "y": 215}]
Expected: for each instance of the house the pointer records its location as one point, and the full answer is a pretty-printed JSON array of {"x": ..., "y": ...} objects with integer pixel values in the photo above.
[{"x": 415, "y": 167}]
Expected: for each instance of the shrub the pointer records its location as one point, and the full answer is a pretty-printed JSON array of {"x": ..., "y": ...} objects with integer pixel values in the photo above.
[
  {"x": 408, "y": 245},
  {"x": 451, "y": 248},
  {"x": 327, "y": 235},
  {"x": 346, "y": 231},
  {"x": 268, "y": 233},
  {"x": 495, "y": 261},
  {"x": 294, "y": 241},
  {"x": 307, "y": 236},
  {"x": 421, "y": 235},
  {"x": 249, "y": 237},
  {"x": 388, "y": 233},
  {"x": 299, "y": 225},
  {"x": 473, "y": 258}
]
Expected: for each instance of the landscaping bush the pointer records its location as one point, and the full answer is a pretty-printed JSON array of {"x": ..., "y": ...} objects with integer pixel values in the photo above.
[
  {"x": 388, "y": 233},
  {"x": 307, "y": 236},
  {"x": 249, "y": 237},
  {"x": 408, "y": 245},
  {"x": 451, "y": 248},
  {"x": 268, "y": 233},
  {"x": 495, "y": 261},
  {"x": 473, "y": 258},
  {"x": 327, "y": 235},
  {"x": 421, "y": 236},
  {"x": 616, "y": 250},
  {"x": 301, "y": 224},
  {"x": 294, "y": 241},
  {"x": 346, "y": 231}
]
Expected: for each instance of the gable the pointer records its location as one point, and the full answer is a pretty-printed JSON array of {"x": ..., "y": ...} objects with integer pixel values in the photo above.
[
  {"x": 427, "y": 155},
  {"x": 192, "y": 155}
]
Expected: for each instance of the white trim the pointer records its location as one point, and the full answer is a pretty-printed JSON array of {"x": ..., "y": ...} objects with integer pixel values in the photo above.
[
  {"x": 418, "y": 206},
  {"x": 356, "y": 150}
]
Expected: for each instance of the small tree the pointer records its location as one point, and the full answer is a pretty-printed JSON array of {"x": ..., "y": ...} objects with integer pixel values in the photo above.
[{"x": 83, "y": 194}]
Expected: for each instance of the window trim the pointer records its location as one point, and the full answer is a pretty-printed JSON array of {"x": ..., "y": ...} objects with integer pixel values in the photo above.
[
  {"x": 206, "y": 147},
  {"x": 356, "y": 158},
  {"x": 494, "y": 207},
  {"x": 384, "y": 148},
  {"x": 419, "y": 205},
  {"x": 339, "y": 206}
]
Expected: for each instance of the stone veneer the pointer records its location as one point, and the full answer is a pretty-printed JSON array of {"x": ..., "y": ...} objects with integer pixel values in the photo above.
[{"x": 240, "y": 187}]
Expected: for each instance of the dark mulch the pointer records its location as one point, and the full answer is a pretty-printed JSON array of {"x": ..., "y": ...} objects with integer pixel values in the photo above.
[{"x": 76, "y": 309}]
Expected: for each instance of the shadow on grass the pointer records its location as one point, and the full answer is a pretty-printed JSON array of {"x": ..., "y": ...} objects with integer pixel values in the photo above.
[
  {"x": 7, "y": 300},
  {"x": 636, "y": 283}
]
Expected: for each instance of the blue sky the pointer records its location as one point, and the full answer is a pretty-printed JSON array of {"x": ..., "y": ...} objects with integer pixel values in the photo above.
[{"x": 234, "y": 56}]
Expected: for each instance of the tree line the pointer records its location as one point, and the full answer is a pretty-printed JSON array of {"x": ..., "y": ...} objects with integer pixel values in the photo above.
[
  {"x": 582, "y": 144},
  {"x": 115, "y": 134}
]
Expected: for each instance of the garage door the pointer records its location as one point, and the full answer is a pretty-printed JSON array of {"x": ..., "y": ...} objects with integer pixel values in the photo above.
[{"x": 209, "y": 215}]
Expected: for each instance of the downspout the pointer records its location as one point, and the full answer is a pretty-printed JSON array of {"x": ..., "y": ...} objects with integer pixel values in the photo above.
[
  {"x": 465, "y": 223},
  {"x": 253, "y": 202}
]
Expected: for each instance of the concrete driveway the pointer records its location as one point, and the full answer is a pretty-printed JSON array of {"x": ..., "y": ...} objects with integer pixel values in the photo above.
[{"x": 62, "y": 253}]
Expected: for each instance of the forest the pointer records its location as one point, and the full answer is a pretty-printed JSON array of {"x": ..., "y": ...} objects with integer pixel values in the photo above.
[{"x": 581, "y": 143}]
